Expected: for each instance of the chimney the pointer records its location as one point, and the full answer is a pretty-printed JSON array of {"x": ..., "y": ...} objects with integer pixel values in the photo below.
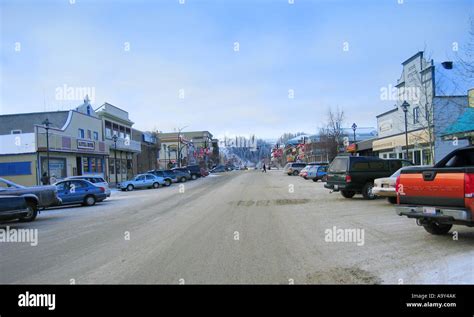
[{"x": 447, "y": 65}]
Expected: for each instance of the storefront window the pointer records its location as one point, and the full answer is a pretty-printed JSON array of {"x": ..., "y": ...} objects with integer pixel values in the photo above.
[
  {"x": 57, "y": 167},
  {"x": 100, "y": 168},
  {"x": 111, "y": 166},
  {"x": 427, "y": 157},
  {"x": 85, "y": 165}
]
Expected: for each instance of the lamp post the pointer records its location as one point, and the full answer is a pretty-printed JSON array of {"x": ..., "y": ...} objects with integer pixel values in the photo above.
[
  {"x": 114, "y": 138},
  {"x": 164, "y": 147},
  {"x": 46, "y": 124},
  {"x": 405, "y": 106},
  {"x": 179, "y": 142},
  {"x": 354, "y": 128}
]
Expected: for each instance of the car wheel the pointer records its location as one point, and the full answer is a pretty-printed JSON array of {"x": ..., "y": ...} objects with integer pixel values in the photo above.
[
  {"x": 193, "y": 177},
  {"x": 130, "y": 187},
  {"x": 32, "y": 212},
  {"x": 89, "y": 200},
  {"x": 183, "y": 179},
  {"x": 167, "y": 182},
  {"x": 437, "y": 228},
  {"x": 156, "y": 185},
  {"x": 347, "y": 193},
  {"x": 315, "y": 179},
  {"x": 392, "y": 200},
  {"x": 324, "y": 179},
  {"x": 295, "y": 173},
  {"x": 367, "y": 191}
]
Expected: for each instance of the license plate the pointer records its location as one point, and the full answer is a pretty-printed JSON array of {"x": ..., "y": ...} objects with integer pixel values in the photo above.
[
  {"x": 429, "y": 210},
  {"x": 336, "y": 187}
]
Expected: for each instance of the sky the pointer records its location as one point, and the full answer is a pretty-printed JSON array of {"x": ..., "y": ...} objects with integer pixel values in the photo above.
[{"x": 232, "y": 67}]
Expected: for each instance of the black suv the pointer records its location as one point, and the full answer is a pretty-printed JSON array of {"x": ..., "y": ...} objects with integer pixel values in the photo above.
[
  {"x": 194, "y": 170},
  {"x": 355, "y": 174}
]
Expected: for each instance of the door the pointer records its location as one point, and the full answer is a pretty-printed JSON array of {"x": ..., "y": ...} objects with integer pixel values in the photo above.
[
  {"x": 79, "y": 165},
  {"x": 140, "y": 182},
  {"x": 78, "y": 191}
]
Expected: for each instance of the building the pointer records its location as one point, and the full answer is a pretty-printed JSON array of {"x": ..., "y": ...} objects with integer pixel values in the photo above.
[
  {"x": 435, "y": 99},
  {"x": 76, "y": 145},
  {"x": 147, "y": 159},
  {"x": 194, "y": 147},
  {"x": 123, "y": 148}
]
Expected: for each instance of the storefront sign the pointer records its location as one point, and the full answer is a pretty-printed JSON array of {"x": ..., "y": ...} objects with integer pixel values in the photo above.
[{"x": 84, "y": 144}]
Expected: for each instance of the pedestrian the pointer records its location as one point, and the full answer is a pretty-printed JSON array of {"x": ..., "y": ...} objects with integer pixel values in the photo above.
[
  {"x": 264, "y": 169},
  {"x": 45, "y": 179}
]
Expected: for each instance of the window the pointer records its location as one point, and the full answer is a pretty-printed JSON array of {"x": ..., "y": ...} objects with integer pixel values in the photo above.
[
  {"x": 377, "y": 166},
  {"x": 89, "y": 134},
  {"x": 338, "y": 165},
  {"x": 149, "y": 177},
  {"x": 360, "y": 166},
  {"x": 108, "y": 129},
  {"x": 85, "y": 165},
  {"x": 15, "y": 131},
  {"x": 416, "y": 115},
  {"x": 80, "y": 133},
  {"x": 96, "y": 136}
]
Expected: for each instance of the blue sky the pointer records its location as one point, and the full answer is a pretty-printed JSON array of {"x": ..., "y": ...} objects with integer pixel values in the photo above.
[{"x": 190, "y": 48}]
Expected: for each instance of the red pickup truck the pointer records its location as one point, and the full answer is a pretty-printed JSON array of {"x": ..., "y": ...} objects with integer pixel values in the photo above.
[{"x": 439, "y": 196}]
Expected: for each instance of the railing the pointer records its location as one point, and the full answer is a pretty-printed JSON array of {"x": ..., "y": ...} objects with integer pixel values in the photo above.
[{"x": 125, "y": 145}]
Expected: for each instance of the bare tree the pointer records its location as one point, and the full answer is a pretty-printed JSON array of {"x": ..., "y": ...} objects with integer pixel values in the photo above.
[{"x": 334, "y": 128}]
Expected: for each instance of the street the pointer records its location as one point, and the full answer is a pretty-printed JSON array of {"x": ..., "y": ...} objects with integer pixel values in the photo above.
[{"x": 235, "y": 227}]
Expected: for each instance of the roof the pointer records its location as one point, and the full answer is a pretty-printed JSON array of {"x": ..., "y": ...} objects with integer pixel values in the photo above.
[
  {"x": 26, "y": 121},
  {"x": 463, "y": 124}
]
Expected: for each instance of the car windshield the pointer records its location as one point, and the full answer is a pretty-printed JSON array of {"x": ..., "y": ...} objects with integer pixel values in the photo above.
[{"x": 6, "y": 184}]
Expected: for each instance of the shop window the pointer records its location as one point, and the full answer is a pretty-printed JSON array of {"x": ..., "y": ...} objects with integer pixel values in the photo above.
[
  {"x": 93, "y": 164},
  {"x": 85, "y": 165},
  {"x": 57, "y": 167},
  {"x": 100, "y": 167},
  {"x": 111, "y": 166}
]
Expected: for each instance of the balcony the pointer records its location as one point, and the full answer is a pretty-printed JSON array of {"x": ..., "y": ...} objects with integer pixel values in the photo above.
[{"x": 125, "y": 145}]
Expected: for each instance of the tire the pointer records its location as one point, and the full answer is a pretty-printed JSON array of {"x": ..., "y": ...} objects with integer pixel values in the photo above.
[
  {"x": 315, "y": 179},
  {"x": 156, "y": 185},
  {"x": 347, "y": 193},
  {"x": 130, "y": 187},
  {"x": 437, "y": 228},
  {"x": 392, "y": 200},
  {"x": 183, "y": 179},
  {"x": 89, "y": 200},
  {"x": 193, "y": 177},
  {"x": 32, "y": 212},
  {"x": 325, "y": 178},
  {"x": 367, "y": 191},
  {"x": 167, "y": 182},
  {"x": 295, "y": 173}
]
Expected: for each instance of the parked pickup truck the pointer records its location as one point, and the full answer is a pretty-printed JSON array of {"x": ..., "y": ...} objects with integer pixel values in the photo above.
[{"x": 439, "y": 196}]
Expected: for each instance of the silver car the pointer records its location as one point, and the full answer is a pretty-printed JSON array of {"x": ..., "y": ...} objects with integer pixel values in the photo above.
[
  {"x": 142, "y": 181},
  {"x": 98, "y": 181}
]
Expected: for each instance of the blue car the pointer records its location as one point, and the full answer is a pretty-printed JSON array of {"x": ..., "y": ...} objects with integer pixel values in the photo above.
[
  {"x": 317, "y": 172},
  {"x": 80, "y": 191},
  {"x": 142, "y": 181}
]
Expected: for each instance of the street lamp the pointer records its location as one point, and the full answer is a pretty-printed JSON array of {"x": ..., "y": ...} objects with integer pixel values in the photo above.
[
  {"x": 114, "y": 138},
  {"x": 179, "y": 142},
  {"x": 164, "y": 147},
  {"x": 354, "y": 128},
  {"x": 405, "y": 106},
  {"x": 46, "y": 124}
]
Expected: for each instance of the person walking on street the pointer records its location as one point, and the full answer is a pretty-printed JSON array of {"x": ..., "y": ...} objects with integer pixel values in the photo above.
[
  {"x": 45, "y": 179},
  {"x": 264, "y": 168}
]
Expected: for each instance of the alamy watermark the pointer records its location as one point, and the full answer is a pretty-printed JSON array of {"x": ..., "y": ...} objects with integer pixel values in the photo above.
[
  {"x": 74, "y": 93},
  {"x": 352, "y": 235},
  {"x": 409, "y": 94},
  {"x": 19, "y": 235}
]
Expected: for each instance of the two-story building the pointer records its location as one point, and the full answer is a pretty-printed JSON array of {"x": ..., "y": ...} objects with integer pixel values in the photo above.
[
  {"x": 435, "y": 99},
  {"x": 76, "y": 145},
  {"x": 117, "y": 131}
]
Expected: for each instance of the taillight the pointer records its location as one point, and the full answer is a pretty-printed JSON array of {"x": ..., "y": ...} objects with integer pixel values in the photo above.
[
  {"x": 469, "y": 185},
  {"x": 102, "y": 189},
  {"x": 348, "y": 178}
]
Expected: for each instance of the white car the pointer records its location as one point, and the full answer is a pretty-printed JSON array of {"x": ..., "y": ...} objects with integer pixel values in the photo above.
[{"x": 98, "y": 181}]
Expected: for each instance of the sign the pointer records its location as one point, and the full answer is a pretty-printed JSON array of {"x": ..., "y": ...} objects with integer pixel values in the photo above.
[
  {"x": 351, "y": 148},
  {"x": 85, "y": 144}
]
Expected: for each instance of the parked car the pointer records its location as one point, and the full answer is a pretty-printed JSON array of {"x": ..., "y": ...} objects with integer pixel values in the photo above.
[
  {"x": 13, "y": 207},
  {"x": 142, "y": 181},
  {"x": 168, "y": 175},
  {"x": 294, "y": 168},
  {"x": 96, "y": 180},
  {"x": 36, "y": 196},
  {"x": 181, "y": 175},
  {"x": 218, "y": 169},
  {"x": 317, "y": 172},
  {"x": 439, "y": 196},
  {"x": 195, "y": 171},
  {"x": 304, "y": 172},
  {"x": 356, "y": 174},
  {"x": 79, "y": 191},
  {"x": 385, "y": 186}
]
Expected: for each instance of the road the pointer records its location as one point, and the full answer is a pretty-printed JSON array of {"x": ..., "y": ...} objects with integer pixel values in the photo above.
[{"x": 237, "y": 227}]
